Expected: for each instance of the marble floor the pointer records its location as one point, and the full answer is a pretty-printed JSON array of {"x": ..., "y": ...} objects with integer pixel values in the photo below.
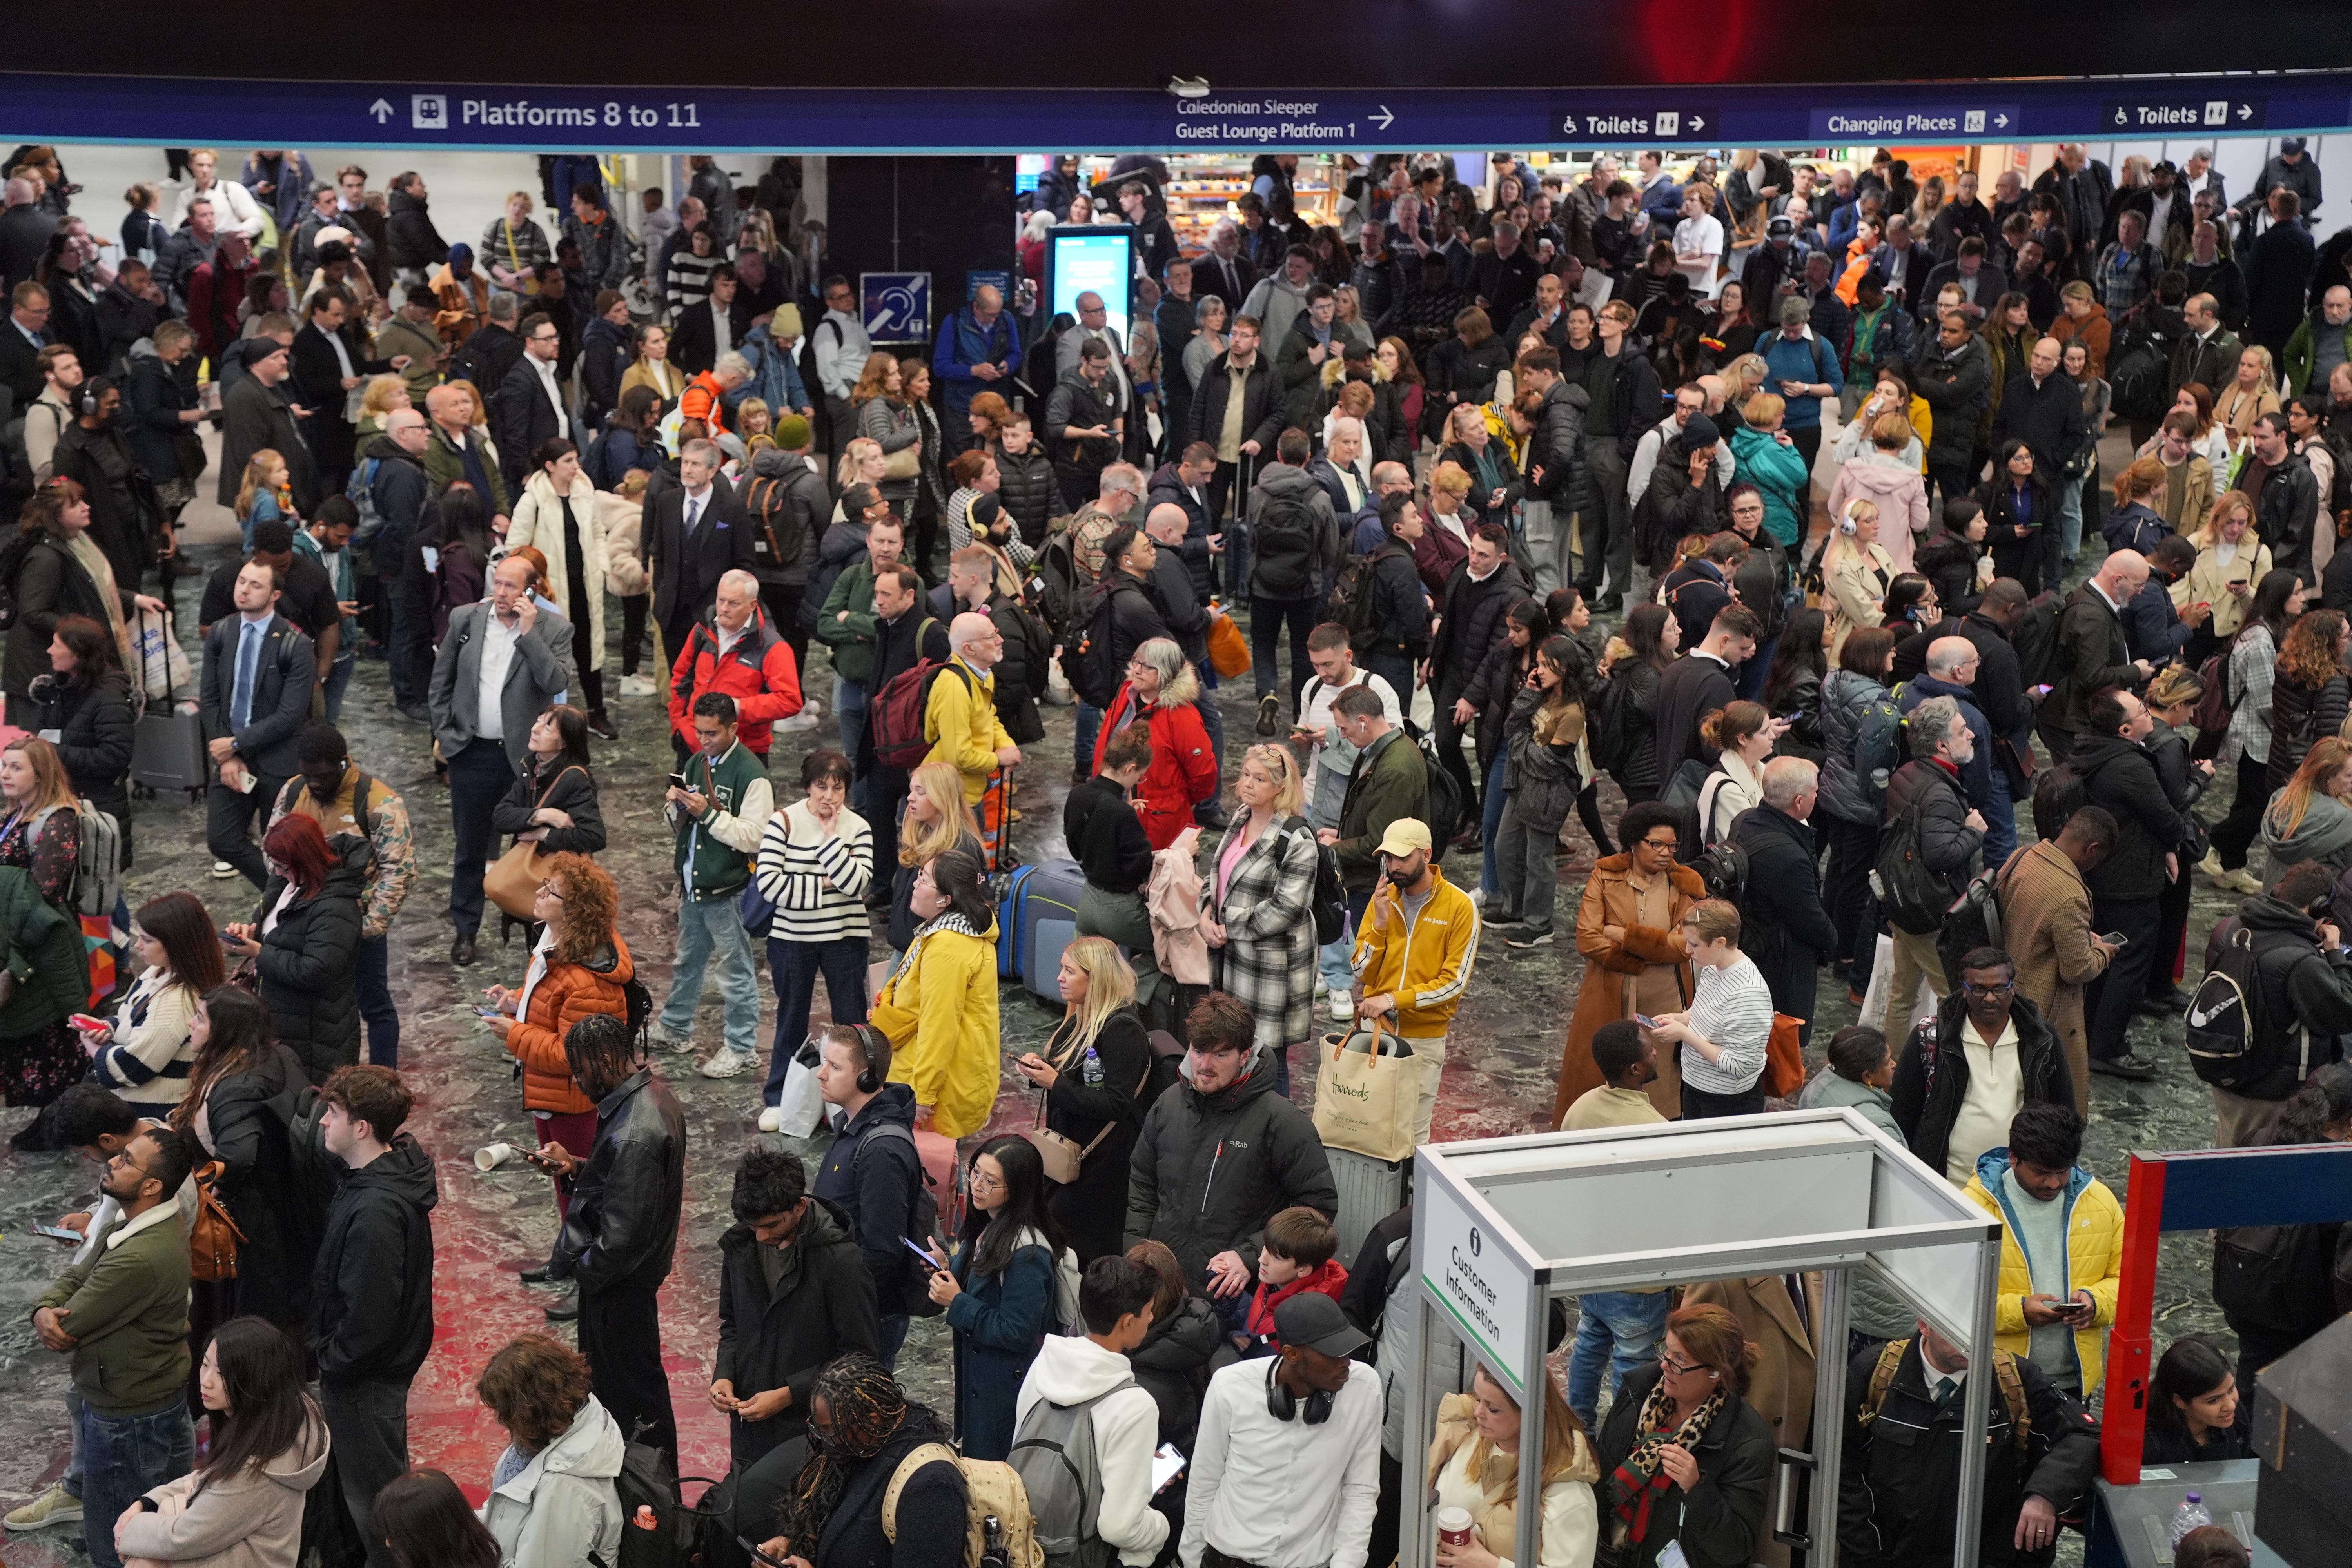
[{"x": 1498, "y": 1079}]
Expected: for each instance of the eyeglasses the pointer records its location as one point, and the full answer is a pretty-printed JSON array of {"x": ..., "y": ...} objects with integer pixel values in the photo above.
[
  {"x": 1969, "y": 988},
  {"x": 1666, "y": 844},
  {"x": 983, "y": 1182},
  {"x": 552, "y": 890},
  {"x": 1679, "y": 1368}
]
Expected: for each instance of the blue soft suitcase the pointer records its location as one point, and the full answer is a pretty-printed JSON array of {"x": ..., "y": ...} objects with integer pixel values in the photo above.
[{"x": 1039, "y": 919}]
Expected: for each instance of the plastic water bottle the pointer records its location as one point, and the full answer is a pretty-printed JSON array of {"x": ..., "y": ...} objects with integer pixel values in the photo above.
[{"x": 2191, "y": 1515}]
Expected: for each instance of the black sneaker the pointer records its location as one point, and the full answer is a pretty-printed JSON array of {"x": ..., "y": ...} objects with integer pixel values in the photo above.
[
  {"x": 2125, "y": 1066},
  {"x": 1531, "y": 937},
  {"x": 2162, "y": 1004},
  {"x": 1269, "y": 715}
]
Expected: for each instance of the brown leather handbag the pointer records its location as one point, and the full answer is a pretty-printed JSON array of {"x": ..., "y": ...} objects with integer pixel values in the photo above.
[
  {"x": 512, "y": 881},
  {"x": 212, "y": 1237}
]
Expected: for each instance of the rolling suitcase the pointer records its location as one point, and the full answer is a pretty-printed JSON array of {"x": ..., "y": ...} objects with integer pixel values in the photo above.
[
  {"x": 167, "y": 745},
  {"x": 1369, "y": 1191},
  {"x": 1040, "y": 917}
]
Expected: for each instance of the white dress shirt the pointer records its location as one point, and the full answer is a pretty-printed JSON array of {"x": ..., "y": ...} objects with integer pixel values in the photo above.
[
  {"x": 545, "y": 368},
  {"x": 489, "y": 697},
  {"x": 722, "y": 327},
  {"x": 1282, "y": 1494}
]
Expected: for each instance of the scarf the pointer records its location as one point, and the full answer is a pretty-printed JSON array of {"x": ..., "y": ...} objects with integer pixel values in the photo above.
[
  {"x": 1638, "y": 1483},
  {"x": 94, "y": 561}
]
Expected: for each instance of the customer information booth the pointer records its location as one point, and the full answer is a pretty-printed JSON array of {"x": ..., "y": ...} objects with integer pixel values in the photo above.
[{"x": 1503, "y": 1226}]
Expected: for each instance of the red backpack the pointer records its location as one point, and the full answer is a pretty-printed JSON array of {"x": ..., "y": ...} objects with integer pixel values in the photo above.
[{"x": 894, "y": 718}]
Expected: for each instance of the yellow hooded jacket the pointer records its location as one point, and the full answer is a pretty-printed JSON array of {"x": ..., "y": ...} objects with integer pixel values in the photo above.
[
  {"x": 2094, "y": 1262},
  {"x": 939, "y": 1013}
]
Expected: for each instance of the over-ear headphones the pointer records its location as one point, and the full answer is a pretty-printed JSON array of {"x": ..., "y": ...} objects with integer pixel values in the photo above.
[
  {"x": 1283, "y": 1404},
  {"x": 86, "y": 401},
  {"x": 1845, "y": 521},
  {"x": 869, "y": 1077}
]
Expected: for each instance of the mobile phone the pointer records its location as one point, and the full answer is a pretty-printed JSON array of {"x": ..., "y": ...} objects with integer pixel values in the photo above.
[
  {"x": 88, "y": 1021},
  {"x": 928, "y": 1261},
  {"x": 1167, "y": 1464},
  {"x": 2114, "y": 938},
  {"x": 230, "y": 936},
  {"x": 1645, "y": 1020},
  {"x": 57, "y": 1231},
  {"x": 2044, "y": 689},
  {"x": 536, "y": 1158},
  {"x": 483, "y": 1012},
  {"x": 679, "y": 781},
  {"x": 2237, "y": 584},
  {"x": 757, "y": 1555}
]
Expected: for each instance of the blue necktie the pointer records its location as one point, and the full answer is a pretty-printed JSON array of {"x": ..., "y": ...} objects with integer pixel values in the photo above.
[{"x": 248, "y": 661}]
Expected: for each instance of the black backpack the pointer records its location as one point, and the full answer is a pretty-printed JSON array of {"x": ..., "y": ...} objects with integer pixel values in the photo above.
[
  {"x": 1972, "y": 923},
  {"x": 1282, "y": 545},
  {"x": 1350, "y": 604},
  {"x": 2232, "y": 1044},
  {"x": 2273, "y": 1277},
  {"x": 922, "y": 1222},
  {"x": 1690, "y": 795},
  {"x": 1329, "y": 905},
  {"x": 1088, "y": 658},
  {"x": 12, "y": 566},
  {"x": 1611, "y": 738},
  {"x": 1914, "y": 897},
  {"x": 647, "y": 1486},
  {"x": 1446, "y": 813}
]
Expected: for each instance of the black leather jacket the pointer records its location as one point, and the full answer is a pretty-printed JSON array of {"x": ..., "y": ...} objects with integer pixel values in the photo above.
[{"x": 622, "y": 1227}]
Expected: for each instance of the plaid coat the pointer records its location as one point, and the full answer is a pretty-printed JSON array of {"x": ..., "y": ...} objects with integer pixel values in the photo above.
[{"x": 1268, "y": 958}]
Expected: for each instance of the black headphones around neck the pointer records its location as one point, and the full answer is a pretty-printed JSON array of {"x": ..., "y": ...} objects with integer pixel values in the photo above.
[{"x": 1283, "y": 1404}]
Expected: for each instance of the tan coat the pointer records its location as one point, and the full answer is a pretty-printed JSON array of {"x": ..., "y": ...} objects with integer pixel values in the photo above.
[
  {"x": 539, "y": 521},
  {"x": 1780, "y": 1385},
  {"x": 622, "y": 521},
  {"x": 2045, "y": 922},
  {"x": 1853, "y": 590},
  {"x": 2208, "y": 581},
  {"x": 1613, "y": 971}
]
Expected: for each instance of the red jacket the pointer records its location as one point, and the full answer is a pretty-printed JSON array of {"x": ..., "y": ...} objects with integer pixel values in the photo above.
[
  {"x": 1330, "y": 1280},
  {"x": 214, "y": 291},
  {"x": 758, "y": 672},
  {"x": 1184, "y": 771}
]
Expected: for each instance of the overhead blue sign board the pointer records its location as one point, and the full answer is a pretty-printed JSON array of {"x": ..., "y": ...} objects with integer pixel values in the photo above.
[{"x": 173, "y": 112}]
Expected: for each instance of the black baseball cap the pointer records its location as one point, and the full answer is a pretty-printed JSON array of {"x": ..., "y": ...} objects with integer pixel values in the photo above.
[
  {"x": 1314, "y": 1322},
  {"x": 2290, "y": 146}
]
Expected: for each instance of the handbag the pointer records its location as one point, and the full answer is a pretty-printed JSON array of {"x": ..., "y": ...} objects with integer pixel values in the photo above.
[
  {"x": 801, "y": 1105},
  {"x": 213, "y": 1236},
  {"x": 903, "y": 464},
  {"x": 1366, "y": 1099},
  {"x": 188, "y": 454},
  {"x": 512, "y": 883},
  {"x": 1229, "y": 652},
  {"x": 1063, "y": 1157},
  {"x": 1784, "y": 1058}
]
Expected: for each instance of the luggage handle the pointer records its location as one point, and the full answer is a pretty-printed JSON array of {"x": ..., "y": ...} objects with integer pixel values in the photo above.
[{"x": 1784, "y": 1514}]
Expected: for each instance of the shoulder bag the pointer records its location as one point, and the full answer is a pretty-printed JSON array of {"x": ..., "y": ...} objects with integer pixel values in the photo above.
[{"x": 513, "y": 882}]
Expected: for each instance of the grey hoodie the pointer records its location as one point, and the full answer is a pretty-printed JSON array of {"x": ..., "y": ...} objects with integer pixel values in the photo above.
[
  {"x": 1276, "y": 302},
  {"x": 2325, "y": 835}
]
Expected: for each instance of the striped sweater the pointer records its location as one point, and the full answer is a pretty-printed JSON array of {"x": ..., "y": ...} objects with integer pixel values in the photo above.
[
  {"x": 818, "y": 881},
  {"x": 1731, "y": 1009},
  {"x": 145, "y": 1061}
]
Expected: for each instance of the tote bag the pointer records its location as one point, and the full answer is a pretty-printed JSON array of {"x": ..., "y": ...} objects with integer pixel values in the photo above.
[
  {"x": 512, "y": 882},
  {"x": 1367, "y": 1091}
]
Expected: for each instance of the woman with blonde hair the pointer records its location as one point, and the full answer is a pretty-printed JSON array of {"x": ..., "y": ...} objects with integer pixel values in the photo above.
[
  {"x": 1888, "y": 474},
  {"x": 266, "y": 494},
  {"x": 1259, "y": 921},
  {"x": 862, "y": 462},
  {"x": 2307, "y": 819},
  {"x": 1095, "y": 1078},
  {"x": 620, "y": 513},
  {"x": 1768, "y": 458},
  {"x": 41, "y": 833},
  {"x": 2253, "y": 394},
  {"x": 1474, "y": 1464},
  {"x": 937, "y": 819},
  {"x": 1855, "y": 572},
  {"x": 383, "y": 396},
  {"x": 2231, "y": 559},
  {"x": 651, "y": 367}
]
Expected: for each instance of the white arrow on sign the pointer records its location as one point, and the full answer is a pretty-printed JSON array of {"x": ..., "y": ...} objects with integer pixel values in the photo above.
[
  {"x": 1696, "y": 123},
  {"x": 2246, "y": 112},
  {"x": 1385, "y": 120},
  {"x": 381, "y": 110},
  {"x": 2001, "y": 119}
]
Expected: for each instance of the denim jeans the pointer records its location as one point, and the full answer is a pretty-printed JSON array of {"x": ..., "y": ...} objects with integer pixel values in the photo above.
[
  {"x": 795, "y": 966},
  {"x": 1623, "y": 1328},
  {"x": 1490, "y": 826},
  {"x": 1089, "y": 726},
  {"x": 372, "y": 981},
  {"x": 705, "y": 925},
  {"x": 124, "y": 1457},
  {"x": 2001, "y": 821},
  {"x": 2069, "y": 532},
  {"x": 339, "y": 678}
]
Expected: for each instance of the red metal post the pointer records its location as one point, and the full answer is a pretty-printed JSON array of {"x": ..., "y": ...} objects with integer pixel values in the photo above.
[{"x": 2123, "y": 1416}]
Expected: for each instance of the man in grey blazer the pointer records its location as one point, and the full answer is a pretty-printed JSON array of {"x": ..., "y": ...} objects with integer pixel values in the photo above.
[{"x": 502, "y": 662}]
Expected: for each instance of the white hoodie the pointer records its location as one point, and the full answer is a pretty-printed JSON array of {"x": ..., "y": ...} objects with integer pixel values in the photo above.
[{"x": 1069, "y": 1371}]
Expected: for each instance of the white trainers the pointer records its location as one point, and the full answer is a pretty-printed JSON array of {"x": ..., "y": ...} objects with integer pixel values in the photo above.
[
  {"x": 807, "y": 719},
  {"x": 726, "y": 1062},
  {"x": 222, "y": 870},
  {"x": 1343, "y": 1006},
  {"x": 636, "y": 685},
  {"x": 771, "y": 1119},
  {"x": 664, "y": 1042},
  {"x": 55, "y": 1506}
]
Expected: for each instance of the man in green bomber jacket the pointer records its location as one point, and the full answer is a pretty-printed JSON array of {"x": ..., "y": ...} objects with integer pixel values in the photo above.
[
  {"x": 718, "y": 818},
  {"x": 123, "y": 1315},
  {"x": 1391, "y": 780}
]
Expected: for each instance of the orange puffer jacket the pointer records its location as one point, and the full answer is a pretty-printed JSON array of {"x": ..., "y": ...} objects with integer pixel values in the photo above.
[{"x": 567, "y": 994}]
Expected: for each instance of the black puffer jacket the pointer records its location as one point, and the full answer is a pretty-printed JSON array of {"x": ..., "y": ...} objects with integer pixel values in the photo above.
[
  {"x": 1948, "y": 560},
  {"x": 1468, "y": 374},
  {"x": 1078, "y": 403},
  {"x": 1556, "y": 447},
  {"x": 311, "y": 959},
  {"x": 822, "y": 1307},
  {"x": 1210, "y": 1170},
  {"x": 1673, "y": 509},
  {"x": 622, "y": 1227},
  {"x": 409, "y": 233},
  {"x": 1473, "y": 623},
  {"x": 1172, "y": 1364},
  {"x": 372, "y": 1286},
  {"x": 1502, "y": 676},
  {"x": 1931, "y": 1073},
  {"x": 248, "y": 1113},
  {"x": 1399, "y": 619},
  {"x": 95, "y": 729},
  {"x": 1948, "y": 845},
  {"x": 1025, "y": 490},
  {"x": 1861, "y": 735}
]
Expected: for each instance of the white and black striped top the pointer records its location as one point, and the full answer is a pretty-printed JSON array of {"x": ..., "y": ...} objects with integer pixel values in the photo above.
[
  {"x": 818, "y": 882},
  {"x": 1731, "y": 1009}
]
